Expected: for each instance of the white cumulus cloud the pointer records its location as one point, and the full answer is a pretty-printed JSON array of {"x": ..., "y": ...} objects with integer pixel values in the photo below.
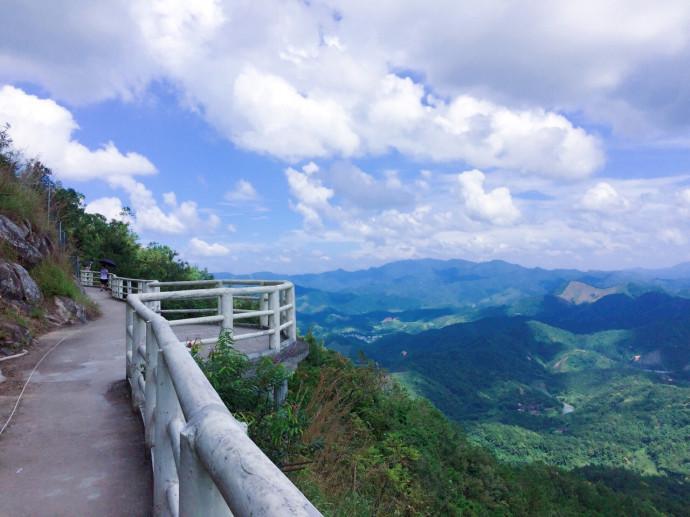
[
  {"x": 43, "y": 129},
  {"x": 290, "y": 80},
  {"x": 602, "y": 197},
  {"x": 243, "y": 192},
  {"x": 273, "y": 117},
  {"x": 108, "y": 207},
  {"x": 180, "y": 217},
  {"x": 495, "y": 206},
  {"x": 205, "y": 249},
  {"x": 312, "y": 196}
]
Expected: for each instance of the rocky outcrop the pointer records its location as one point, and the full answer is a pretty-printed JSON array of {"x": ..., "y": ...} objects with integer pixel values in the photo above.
[
  {"x": 13, "y": 337},
  {"x": 23, "y": 311},
  {"x": 28, "y": 246},
  {"x": 17, "y": 285},
  {"x": 65, "y": 311}
]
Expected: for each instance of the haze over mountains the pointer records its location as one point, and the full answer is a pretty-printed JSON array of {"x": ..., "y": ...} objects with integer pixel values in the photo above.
[
  {"x": 430, "y": 283},
  {"x": 573, "y": 368}
]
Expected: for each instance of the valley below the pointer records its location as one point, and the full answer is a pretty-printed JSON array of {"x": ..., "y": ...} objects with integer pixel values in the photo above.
[{"x": 581, "y": 370}]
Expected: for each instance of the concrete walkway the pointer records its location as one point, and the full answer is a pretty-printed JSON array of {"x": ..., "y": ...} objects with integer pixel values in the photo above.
[{"x": 75, "y": 447}]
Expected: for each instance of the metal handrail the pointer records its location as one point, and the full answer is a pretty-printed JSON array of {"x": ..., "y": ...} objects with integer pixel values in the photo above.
[{"x": 204, "y": 462}]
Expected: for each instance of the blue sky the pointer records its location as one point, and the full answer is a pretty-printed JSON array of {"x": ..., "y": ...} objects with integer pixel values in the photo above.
[{"x": 295, "y": 137}]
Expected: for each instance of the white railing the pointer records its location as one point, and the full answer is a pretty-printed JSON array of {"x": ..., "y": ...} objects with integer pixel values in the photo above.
[
  {"x": 203, "y": 461},
  {"x": 119, "y": 286},
  {"x": 275, "y": 312},
  {"x": 88, "y": 278},
  {"x": 277, "y": 317}
]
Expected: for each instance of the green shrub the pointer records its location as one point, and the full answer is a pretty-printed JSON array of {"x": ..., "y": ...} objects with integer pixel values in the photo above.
[
  {"x": 54, "y": 280},
  {"x": 37, "y": 313},
  {"x": 246, "y": 388}
]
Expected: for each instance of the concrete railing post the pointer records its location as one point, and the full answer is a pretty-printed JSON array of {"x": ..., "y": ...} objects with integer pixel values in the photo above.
[
  {"x": 136, "y": 336},
  {"x": 150, "y": 388},
  {"x": 165, "y": 469},
  {"x": 292, "y": 314},
  {"x": 263, "y": 306},
  {"x": 198, "y": 492},
  {"x": 138, "y": 365},
  {"x": 226, "y": 310},
  {"x": 129, "y": 338},
  {"x": 274, "y": 320},
  {"x": 156, "y": 306},
  {"x": 219, "y": 284},
  {"x": 145, "y": 287}
]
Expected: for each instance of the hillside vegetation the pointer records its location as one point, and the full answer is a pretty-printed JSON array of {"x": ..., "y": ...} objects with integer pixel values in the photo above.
[
  {"x": 37, "y": 288},
  {"x": 356, "y": 443},
  {"x": 597, "y": 384},
  {"x": 592, "y": 376}
]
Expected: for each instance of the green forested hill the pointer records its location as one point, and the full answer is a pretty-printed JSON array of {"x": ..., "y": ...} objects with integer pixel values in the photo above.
[
  {"x": 532, "y": 391},
  {"x": 600, "y": 386},
  {"x": 358, "y": 445}
]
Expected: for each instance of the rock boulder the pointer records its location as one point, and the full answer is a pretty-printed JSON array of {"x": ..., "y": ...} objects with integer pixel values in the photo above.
[
  {"x": 13, "y": 337},
  {"x": 65, "y": 311},
  {"x": 16, "y": 284},
  {"x": 29, "y": 247}
]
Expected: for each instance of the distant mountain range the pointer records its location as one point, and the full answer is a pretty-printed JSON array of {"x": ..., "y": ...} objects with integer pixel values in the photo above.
[{"x": 430, "y": 283}]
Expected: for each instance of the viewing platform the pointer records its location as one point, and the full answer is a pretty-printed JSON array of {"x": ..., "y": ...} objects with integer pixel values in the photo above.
[{"x": 262, "y": 320}]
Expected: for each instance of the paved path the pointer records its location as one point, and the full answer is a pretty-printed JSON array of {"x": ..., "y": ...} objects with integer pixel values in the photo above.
[{"x": 74, "y": 446}]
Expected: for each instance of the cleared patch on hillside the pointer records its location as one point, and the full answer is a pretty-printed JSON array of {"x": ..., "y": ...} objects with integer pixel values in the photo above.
[{"x": 579, "y": 292}]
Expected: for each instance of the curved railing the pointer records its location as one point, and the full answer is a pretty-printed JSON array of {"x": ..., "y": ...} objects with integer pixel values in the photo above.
[
  {"x": 275, "y": 300},
  {"x": 119, "y": 286},
  {"x": 203, "y": 461}
]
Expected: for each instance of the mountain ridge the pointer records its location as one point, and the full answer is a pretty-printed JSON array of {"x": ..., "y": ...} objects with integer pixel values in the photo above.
[{"x": 466, "y": 285}]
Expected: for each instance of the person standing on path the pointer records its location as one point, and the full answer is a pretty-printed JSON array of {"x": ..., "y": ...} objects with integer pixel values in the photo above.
[{"x": 105, "y": 274}]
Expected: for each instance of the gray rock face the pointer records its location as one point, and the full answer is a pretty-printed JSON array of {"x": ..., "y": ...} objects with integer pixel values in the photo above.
[
  {"x": 29, "y": 246},
  {"x": 13, "y": 337},
  {"x": 16, "y": 284},
  {"x": 66, "y": 311}
]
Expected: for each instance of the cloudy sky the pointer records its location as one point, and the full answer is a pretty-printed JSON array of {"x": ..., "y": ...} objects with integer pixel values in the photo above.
[{"x": 306, "y": 136}]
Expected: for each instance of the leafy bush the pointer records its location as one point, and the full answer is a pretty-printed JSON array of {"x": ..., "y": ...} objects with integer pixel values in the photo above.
[
  {"x": 22, "y": 192},
  {"x": 53, "y": 280},
  {"x": 247, "y": 390}
]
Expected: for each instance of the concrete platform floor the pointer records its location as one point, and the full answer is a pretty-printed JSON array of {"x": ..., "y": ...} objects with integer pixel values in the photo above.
[
  {"x": 246, "y": 346},
  {"x": 74, "y": 446}
]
